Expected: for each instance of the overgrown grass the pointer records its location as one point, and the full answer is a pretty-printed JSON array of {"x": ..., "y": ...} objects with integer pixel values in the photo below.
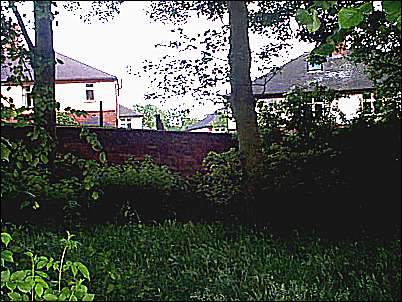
[{"x": 211, "y": 262}]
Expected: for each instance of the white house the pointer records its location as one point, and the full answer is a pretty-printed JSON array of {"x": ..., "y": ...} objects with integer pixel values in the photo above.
[
  {"x": 337, "y": 73},
  {"x": 129, "y": 119},
  {"x": 78, "y": 86}
]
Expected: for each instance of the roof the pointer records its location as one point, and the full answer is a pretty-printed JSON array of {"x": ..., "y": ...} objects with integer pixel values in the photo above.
[
  {"x": 205, "y": 123},
  {"x": 126, "y": 112},
  {"x": 338, "y": 73},
  {"x": 67, "y": 69}
]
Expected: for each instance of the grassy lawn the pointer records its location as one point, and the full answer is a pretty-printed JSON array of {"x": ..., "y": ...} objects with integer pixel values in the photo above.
[{"x": 211, "y": 262}]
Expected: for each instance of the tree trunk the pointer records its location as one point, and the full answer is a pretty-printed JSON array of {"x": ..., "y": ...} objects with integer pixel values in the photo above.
[
  {"x": 44, "y": 74},
  {"x": 243, "y": 106},
  {"x": 241, "y": 97}
]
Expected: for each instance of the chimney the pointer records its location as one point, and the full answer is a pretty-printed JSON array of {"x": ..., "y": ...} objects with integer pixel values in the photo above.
[{"x": 159, "y": 124}]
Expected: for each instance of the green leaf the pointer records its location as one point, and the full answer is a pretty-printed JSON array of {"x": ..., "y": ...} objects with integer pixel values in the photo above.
[
  {"x": 42, "y": 274},
  {"x": 74, "y": 269},
  {"x": 366, "y": 8},
  {"x": 5, "y": 276},
  {"x": 88, "y": 297},
  {"x": 11, "y": 285},
  {"x": 44, "y": 158},
  {"x": 303, "y": 17},
  {"x": 324, "y": 4},
  {"x": 95, "y": 195},
  {"x": 102, "y": 157},
  {"x": 50, "y": 297},
  {"x": 65, "y": 294},
  {"x": 29, "y": 254},
  {"x": 18, "y": 275},
  {"x": 325, "y": 49},
  {"x": 349, "y": 17},
  {"x": 392, "y": 10},
  {"x": 25, "y": 286},
  {"x": 39, "y": 289},
  {"x": 7, "y": 255},
  {"x": 6, "y": 238},
  {"x": 315, "y": 25},
  {"x": 83, "y": 269},
  {"x": 41, "y": 264},
  {"x": 5, "y": 152},
  {"x": 14, "y": 296}
]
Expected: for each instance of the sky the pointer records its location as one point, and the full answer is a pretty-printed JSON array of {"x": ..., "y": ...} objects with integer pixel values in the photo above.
[{"x": 130, "y": 38}]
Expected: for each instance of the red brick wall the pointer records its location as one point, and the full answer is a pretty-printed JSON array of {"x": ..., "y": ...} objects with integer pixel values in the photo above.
[
  {"x": 181, "y": 151},
  {"x": 109, "y": 118}
]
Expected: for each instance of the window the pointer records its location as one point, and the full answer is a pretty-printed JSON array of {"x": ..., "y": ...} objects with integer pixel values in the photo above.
[
  {"x": 313, "y": 66},
  {"x": 27, "y": 97},
  {"x": 122, "y": 119},
  {"x": 90, "y": 95},
  {"x": 128, "y": 125},
  {"x": 318, "y": 109},
  {"x": 129, "y": 120},
  {"x": 369, "y": 104}
]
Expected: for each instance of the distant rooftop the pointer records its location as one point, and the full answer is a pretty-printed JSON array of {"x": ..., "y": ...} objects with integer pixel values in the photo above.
[
  {"x": 204, "y": 123},
  {"x": 126, "y": 112},
  {"x": 67, "y": 69},
  {"x": 337, "y": 73}
]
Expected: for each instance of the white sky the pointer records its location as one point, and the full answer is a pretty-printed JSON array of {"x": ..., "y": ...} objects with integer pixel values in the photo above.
[{"x": 129, "y": 39}]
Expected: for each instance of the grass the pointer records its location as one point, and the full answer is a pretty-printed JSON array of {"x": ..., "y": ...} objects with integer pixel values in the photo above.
[{"x": 175, "y": 261}]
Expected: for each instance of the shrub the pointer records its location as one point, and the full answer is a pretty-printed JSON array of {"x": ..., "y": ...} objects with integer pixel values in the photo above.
[{"x": 33, "y": 281}]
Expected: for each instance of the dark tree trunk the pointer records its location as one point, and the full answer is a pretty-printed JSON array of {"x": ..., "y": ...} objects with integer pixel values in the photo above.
[
  {"x": 44, "y": 74},
  {"x": 241, "y": 98},
  {"x": 243, "y": 106}
]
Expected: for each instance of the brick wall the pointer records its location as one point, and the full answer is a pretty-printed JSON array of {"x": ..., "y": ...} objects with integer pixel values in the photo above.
[
  {"x": 92, "y": 118},
  {"x": 181, "y": 151}
]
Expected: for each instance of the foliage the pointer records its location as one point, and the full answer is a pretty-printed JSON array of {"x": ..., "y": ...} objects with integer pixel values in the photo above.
[
  {"x": 307, "y": 116},
  {"x": 372, "y": 33},
  {"x": 174, "y": 261},
  {"x": 173, "y": 119},
  {"x": 32, "y": 280},
  {"x": 65, "y": 119},
  {"x": 85, "y": 192},
  {"x": 220, "y": 178}
]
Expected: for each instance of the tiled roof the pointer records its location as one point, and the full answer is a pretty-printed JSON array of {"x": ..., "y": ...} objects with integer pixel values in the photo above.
[
  {"x": 205, "y": 123},
  {"x": 338, "y": 73},
  {"x": 126, "y": 112},
  {"x": 67, "y": 69}
]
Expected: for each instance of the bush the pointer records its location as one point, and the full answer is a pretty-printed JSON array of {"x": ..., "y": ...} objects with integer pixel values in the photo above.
[{"x": 345, "y": 185}]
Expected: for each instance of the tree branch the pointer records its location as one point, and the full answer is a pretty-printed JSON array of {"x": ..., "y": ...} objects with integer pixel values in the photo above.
[{"x": 23, "y": 28}]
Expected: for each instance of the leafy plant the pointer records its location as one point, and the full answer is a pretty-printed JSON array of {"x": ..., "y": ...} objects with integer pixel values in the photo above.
[{"x": 35, "y": 283}]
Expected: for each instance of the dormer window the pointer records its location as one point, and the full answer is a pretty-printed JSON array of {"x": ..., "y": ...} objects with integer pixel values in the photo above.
[{"x": 314, "y": 66}]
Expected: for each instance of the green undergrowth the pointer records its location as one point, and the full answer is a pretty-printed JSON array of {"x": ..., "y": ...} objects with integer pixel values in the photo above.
[{"x": 174, "y": 261}]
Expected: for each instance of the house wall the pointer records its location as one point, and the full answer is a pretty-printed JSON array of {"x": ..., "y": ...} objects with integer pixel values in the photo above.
[
  {"x": 181, "y": 151},
  {"x": 135, "y": 122},
  {"x": 348, "y": 105},
  {"x": 15, "y": 92},
  {"x": 72, "y": 95}
]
